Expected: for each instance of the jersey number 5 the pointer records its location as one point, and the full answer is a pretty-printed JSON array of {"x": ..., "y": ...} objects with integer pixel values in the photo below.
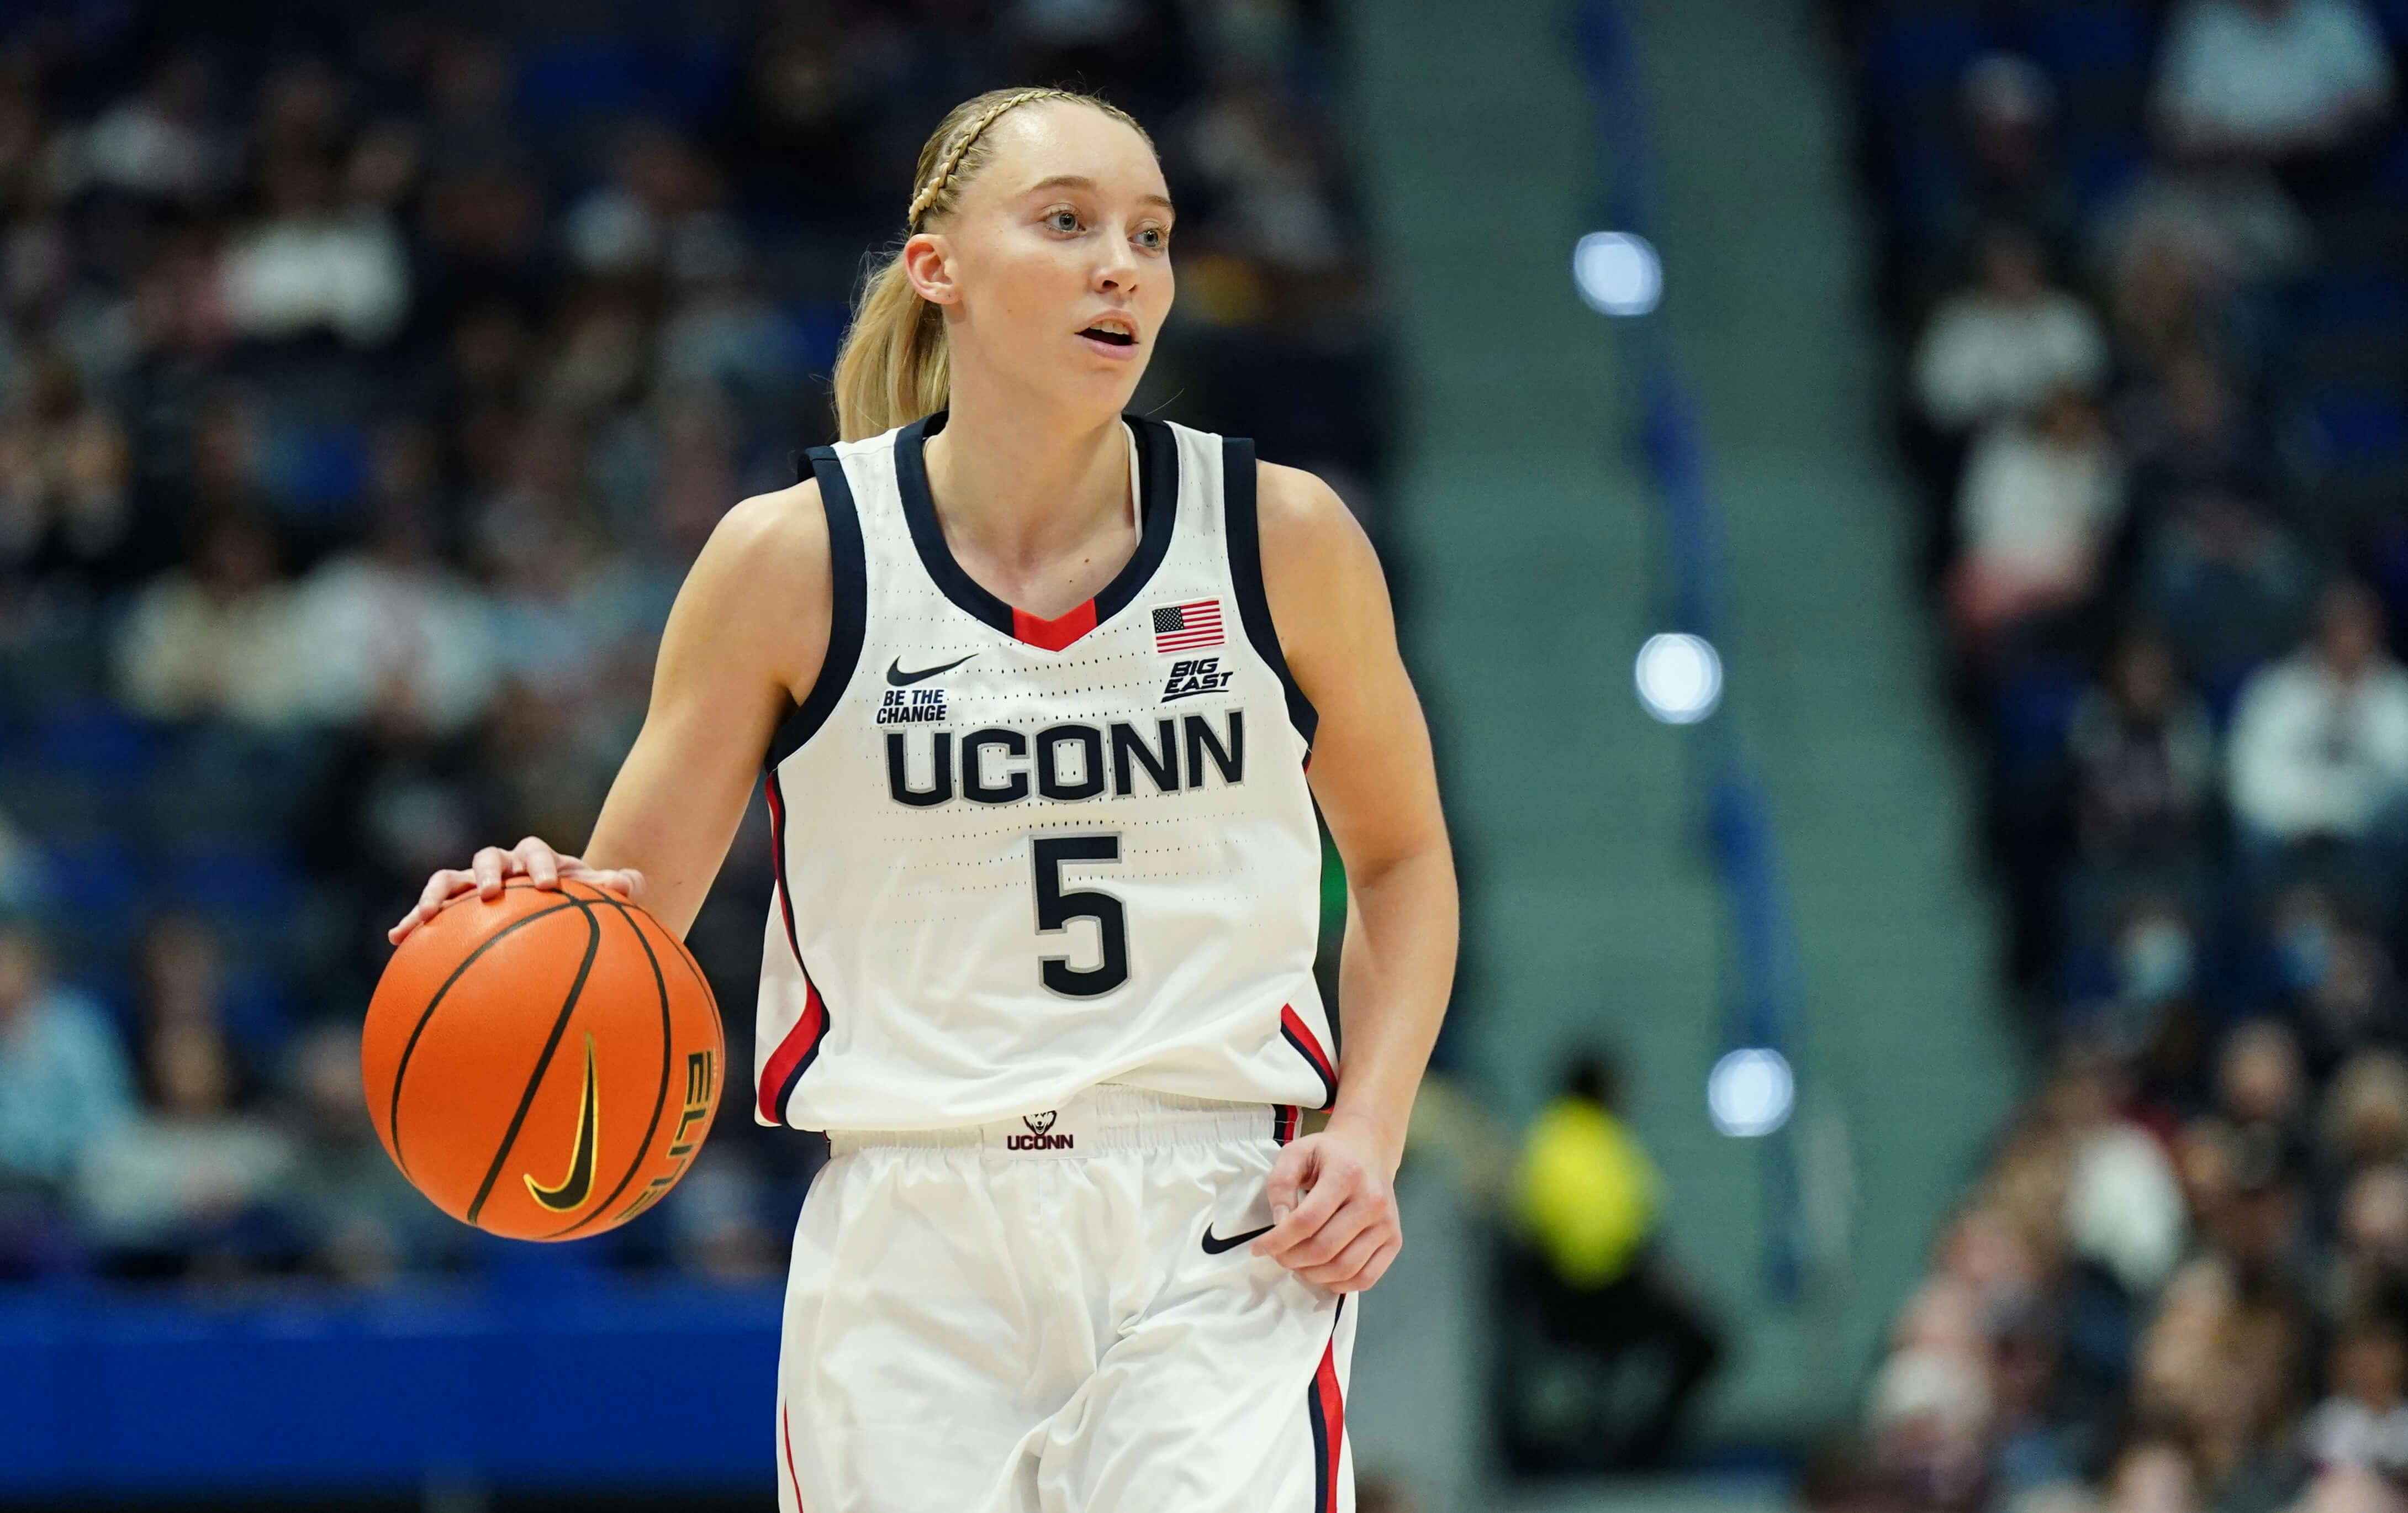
[{"x": 1056, "y": 909}]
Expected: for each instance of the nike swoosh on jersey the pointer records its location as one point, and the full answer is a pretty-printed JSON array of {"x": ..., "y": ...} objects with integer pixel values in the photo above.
[
  {"x": 897, "y": 678},
  {"x": 1215, "y": 1244},
  {"x": 573, "y": 1187}
]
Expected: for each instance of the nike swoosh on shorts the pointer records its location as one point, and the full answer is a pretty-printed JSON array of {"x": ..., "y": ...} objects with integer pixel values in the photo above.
[{"x": 1215, "y": 1244}]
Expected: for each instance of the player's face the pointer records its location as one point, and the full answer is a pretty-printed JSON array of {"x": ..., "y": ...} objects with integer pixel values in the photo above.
[{"x": 1059, "y": 257}]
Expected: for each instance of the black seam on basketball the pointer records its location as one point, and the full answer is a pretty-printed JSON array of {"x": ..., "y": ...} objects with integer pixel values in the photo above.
[
  {"x": 393, "y": 1118},
  {"x": 660, "y": 1099},
  {"x": 542, "y": 1062}
]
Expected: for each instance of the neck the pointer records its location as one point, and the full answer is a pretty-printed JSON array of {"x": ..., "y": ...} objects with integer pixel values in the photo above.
[{"x": 1022, "y": 487}]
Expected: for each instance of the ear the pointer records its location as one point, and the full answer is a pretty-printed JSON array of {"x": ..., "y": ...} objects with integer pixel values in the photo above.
[{"x": 928, "y": 262}]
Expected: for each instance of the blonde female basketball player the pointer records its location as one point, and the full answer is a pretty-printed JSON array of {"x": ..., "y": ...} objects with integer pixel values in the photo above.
[{"x": 1037, "y": 686}]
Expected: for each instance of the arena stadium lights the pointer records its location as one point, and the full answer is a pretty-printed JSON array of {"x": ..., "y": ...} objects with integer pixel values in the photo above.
[
  {"x": 1617, "y": 273},
  {"x": 1680, "y": 677},
  {"x": 1750, "y": 1093}
]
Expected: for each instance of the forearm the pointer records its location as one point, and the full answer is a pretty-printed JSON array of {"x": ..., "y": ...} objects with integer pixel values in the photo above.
[{"x": 1394, "y": 977}]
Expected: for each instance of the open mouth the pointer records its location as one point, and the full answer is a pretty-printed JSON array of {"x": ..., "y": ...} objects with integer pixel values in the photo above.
[{"x": 1110, "y": 334}]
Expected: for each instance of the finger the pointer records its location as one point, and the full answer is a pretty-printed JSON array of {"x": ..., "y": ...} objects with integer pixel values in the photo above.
[
  {"x": 1344, "y": 1265},
  {"x": 489, "y": 869},
  {"x": 1290, "y": 1175},
  {"x": 442, "y": 886},
  {"x": 1329, "y": 1192},
  {"x": 635, "y": 888},
  {"x": 542, "y": 863},
  {"x": 1375, "y": 1268},
  {"x": 623, "y": 881},
  {"x": 1325, "y": 1244}
]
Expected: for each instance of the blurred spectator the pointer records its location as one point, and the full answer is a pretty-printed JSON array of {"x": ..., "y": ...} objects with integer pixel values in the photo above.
[
  {"x": 2143, "y": 761},
  {"x": 158, "y": 142},
  {"x": 64, "y": 473},
  {"x": 2154, "y": 1475},
  {"x": 2231, "y": 587},
  {"x": 355, "y": 1219},
  {"x": 2335, "y": 982},
  {"x": 63, "y": 1080},
  {"x": 2366, "y": 1112},
  {"x": 2006, "y": 344},
  {"x": 218, "y": 639},
  {"x": 2009, "y": 109},
  {"x": 2364, "y": 1423},
  {"x": 2038, "y": 501},
  {"x": 2367, "y": 1271},
  {"x": 2260, "y": 1091},
  {"x": 2320, "y": 740},
  {"x": 2271, "y": 79},
  {"x": 315, "y": 263},
  {"x": 194, "y": 1176},
  {"x": 2191, "y": 432},
  {"x": 1587, "y": 1201},
  {"x": 391, "y": 627}
]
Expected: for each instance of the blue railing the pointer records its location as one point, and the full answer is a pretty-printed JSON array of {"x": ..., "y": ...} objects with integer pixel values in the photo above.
[{"x": 1766, "y": 1003}]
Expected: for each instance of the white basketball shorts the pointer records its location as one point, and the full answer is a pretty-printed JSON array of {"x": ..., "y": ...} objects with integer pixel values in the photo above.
[{"x": 1059, "y": 1314}]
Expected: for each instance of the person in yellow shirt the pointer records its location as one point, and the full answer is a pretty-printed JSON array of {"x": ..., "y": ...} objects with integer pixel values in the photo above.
[{"x": 1586, "y": 1205}]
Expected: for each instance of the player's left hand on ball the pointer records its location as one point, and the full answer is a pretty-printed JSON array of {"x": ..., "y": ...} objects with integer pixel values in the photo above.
[{"x": 1333, "y": 1210}]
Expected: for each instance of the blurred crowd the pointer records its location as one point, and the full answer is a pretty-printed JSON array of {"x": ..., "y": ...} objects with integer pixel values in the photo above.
[
  {"x": 368, "y": 376},
  {"x": 2147, "y": 267}
]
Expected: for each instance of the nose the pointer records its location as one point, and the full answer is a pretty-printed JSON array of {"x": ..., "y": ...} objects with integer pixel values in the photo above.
[{"x": 1116, "y": 270}]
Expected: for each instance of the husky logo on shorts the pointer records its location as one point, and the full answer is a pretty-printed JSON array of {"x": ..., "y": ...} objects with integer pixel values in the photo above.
[{"x": 1040, "y": 1136}]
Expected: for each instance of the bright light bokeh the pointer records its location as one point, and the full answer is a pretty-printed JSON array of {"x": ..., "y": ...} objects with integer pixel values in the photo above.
[
  {"x": 1750, "y": 1093},
  {"x": 1680, "y": 677},
  {"x": 1617, "y": 273}
]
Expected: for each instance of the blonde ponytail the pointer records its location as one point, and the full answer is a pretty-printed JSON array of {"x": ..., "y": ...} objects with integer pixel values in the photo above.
[{"x": 892, "y": 367}]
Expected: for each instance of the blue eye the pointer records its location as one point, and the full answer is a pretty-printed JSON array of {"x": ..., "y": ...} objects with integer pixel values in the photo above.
[{"x": 1062, "y": 220}]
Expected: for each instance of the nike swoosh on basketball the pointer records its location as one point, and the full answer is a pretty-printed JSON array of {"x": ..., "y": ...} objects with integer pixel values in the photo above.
[
  {"x": 579, "y": 1180},
  {"x": 1215, "y": 1244},
  {"x": 897, "y": 678}
]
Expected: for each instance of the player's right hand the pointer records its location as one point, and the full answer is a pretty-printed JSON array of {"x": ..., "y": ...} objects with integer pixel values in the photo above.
[{"x": 488, "y": 870}]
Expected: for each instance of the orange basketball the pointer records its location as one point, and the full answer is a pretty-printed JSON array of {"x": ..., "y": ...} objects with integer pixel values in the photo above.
[{"x": 544, "y": 1065}]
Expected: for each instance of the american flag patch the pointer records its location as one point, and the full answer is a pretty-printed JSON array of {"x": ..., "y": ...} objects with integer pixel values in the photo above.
[{"x": 1183, "y": 627}]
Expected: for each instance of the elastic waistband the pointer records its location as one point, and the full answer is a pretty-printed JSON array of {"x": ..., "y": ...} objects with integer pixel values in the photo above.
[{"x": 1098, "y": 1119}]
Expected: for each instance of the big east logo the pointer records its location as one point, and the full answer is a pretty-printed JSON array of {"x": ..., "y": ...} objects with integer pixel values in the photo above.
[{"x": 1194, "y": 675}]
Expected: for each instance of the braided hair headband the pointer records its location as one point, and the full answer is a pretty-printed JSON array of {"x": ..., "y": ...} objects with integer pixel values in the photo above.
[{"x": 953, "y": 154}]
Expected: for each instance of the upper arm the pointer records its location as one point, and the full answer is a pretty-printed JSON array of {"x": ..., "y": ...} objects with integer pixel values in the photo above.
[
  {"x": 1372, "y": 766},
  {"x": 743, "y": 645}
]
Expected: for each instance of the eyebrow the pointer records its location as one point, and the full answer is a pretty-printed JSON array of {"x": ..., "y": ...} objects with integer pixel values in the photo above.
[{"x": 1073, "y": 181}]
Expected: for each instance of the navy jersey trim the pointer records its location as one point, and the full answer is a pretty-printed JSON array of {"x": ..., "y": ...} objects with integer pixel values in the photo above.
[
  {"x": 1246, "y": 573},
  {"x": 1157, "y": 499},
  {"x": 849, "y": 612}
]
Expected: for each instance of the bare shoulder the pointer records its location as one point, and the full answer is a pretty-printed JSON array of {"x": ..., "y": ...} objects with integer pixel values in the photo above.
[
  {"x": 1304, "y": 517},
  {"x": 779, "y": 533},
  {"x": 1328, "y": 599},
  {"x": 760, "y": 592}
]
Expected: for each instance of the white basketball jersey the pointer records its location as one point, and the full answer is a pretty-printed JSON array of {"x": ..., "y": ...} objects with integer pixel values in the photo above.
[{"x": 1021, "y": 857}]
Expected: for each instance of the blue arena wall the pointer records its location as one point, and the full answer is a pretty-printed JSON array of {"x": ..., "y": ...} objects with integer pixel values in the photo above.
[{"x": 627, "y": 1386}]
